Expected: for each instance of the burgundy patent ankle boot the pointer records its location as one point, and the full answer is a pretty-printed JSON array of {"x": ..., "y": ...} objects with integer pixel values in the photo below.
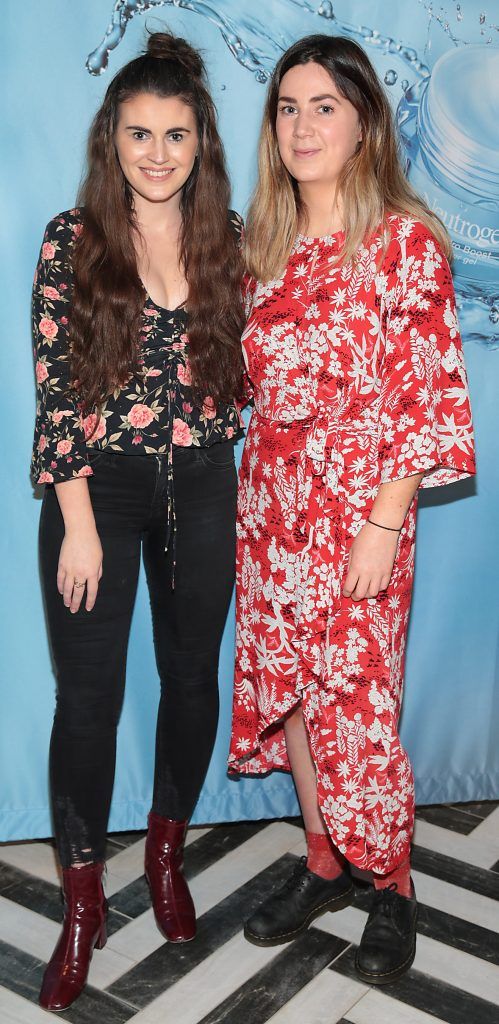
[
  {"x": 171, "y": 899},
  {"x": 84, "y": 929}
]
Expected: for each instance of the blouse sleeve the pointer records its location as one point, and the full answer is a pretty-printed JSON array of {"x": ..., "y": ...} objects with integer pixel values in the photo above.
[
  {"x": 425, "y": 420},
  {"x": 59, "y": 451}
]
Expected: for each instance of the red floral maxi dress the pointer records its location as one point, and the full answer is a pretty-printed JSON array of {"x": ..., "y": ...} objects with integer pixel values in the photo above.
[{"x": 359, "y": 379}]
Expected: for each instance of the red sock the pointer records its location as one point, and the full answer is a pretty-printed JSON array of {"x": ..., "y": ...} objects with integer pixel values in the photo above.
[
  {"x": 401, "y": 876},
  {"x": 323, "y": 858}
]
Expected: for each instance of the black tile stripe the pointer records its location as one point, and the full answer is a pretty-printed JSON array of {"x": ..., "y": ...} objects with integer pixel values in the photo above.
[
  {"x": 170, "y": 962},
  {"x": 45, "y": 898},
  {"x": 452, "y": 818},
  {"x": 480, "y": 808},
  {"x": 274, "y": 985},
  {"x": 451, "y": 1004},
  {"x": 22, "y": 973},
  {"x": 445, "y": 928},
  {"x": 448, "y": 869}
]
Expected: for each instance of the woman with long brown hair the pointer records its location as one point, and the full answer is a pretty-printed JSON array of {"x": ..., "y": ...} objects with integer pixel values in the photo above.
[
  {"x": 137, "y": 321},
  {"x": 352, "y": 346}
]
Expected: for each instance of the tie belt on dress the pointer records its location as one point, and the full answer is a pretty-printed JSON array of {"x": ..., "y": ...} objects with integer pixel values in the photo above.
[{"x": 323, "y": 462}]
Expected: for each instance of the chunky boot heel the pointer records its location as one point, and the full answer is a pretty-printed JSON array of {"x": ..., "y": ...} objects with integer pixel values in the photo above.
[
  {"x": 101, "y": 941},
  {"x": 84, "y": 929},
  {"x": 171, "y": 899}
]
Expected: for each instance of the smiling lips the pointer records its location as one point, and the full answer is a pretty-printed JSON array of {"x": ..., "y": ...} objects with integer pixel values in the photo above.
[
  {"x": 156, "y": 175},
  {"x": 305, "y": 152}
]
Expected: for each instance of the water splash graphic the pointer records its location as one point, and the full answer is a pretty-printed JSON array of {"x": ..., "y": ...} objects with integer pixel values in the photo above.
[
  {"x": 248, "y": 37},
  {"x": 257, "y": 42}
]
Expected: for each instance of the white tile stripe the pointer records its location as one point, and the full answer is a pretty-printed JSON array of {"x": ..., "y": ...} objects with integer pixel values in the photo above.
[
  {"x": 482, "y": 852},
  {"x": 324, "y": 1000},
  {"x": 37, "y": 935},
  {"x": 16, "y": 1010},
  {"x": 451, "y": 899},
  {"x": 377, "y": 1008},
  {"x": 208, "y": 984}
]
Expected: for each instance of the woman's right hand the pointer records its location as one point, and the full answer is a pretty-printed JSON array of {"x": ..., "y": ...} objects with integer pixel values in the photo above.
[{"x": 80, "y": 567}]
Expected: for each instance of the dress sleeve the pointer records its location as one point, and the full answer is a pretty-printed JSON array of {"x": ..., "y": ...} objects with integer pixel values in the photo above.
[
  {"x": 59, "y": 450},
  {"x": 425, "y": 418}
]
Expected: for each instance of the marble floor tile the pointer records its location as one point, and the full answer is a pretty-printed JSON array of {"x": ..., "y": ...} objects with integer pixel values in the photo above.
[
  {"x": 447, "y": 1002},
  {"x": 326, "y": 998},
  {"x": 37, "y": 936},
  {"x": 275, "y": 985},
  {"x": 209, "y": 984},
  {"x": 16, "y": 1010},
  {"x": 35, "y": 858},
  {"x": 481, "y": 849},
  {"x": 377, "y": 1008}
]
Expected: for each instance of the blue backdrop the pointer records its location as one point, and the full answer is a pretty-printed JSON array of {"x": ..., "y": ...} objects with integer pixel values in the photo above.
[{"x": 441, "y": 71}]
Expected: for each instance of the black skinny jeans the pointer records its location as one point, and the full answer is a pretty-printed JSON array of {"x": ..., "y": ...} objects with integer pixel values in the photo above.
[{"x": 129, "y": 499}]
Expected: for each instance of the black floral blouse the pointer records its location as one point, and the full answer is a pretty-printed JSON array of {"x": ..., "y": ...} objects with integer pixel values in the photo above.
[{"x": 143, "y": 418}]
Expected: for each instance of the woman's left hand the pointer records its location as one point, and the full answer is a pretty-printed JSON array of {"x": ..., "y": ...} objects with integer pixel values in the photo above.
[{"x": 370, "y": 564}]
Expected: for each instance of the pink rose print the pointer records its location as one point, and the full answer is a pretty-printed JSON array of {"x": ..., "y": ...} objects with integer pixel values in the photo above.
[
  {"x": 64, "y": 447},
  {"x": 181, "y": 434},
  {"x": 140, "y": 416},
  {"x": 91, "y": 430},
  {"x": 85, "y": 471},
  {"x": 187, "y": 407},
  {"x": 48, "y": 327},
  {"x": 229, "y": 432},
  {"x": 50, "y": 293},
  {"x": 77, "y": 230},
  {"x": 64, "y": 321},
  {"x": 149, "y": 312},
  {"x": 41, "y": 372},
  {"x": 48, "y": 251},
  {"x": 184, "y": 374},
  {"x": 42, "y": 444},
  {"x": 45, "y": 478},
  {"x": 153, "y": 373},
  {"x": 59, "y": 415},
  {"x": 137, "y": 439},
  {"x": 209, "y": 408}
]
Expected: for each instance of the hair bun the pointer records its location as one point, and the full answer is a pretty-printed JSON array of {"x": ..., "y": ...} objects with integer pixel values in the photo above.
[{"x": 165, "y": 46}]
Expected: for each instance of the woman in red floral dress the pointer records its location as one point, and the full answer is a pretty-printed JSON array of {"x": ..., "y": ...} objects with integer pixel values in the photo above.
[{"x": 353, "y": 351}]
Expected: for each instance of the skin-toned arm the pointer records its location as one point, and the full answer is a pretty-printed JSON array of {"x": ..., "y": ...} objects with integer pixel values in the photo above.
[
  {"x": 373, "y": 551},
  {"x": 81, "y": 551}
]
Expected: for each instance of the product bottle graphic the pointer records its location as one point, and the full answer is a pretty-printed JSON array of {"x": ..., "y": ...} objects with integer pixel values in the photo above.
[{"x": 449, "y": 126}]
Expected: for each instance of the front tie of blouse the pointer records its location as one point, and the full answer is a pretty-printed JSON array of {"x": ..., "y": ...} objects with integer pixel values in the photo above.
[{"x": 146, "y": 416}]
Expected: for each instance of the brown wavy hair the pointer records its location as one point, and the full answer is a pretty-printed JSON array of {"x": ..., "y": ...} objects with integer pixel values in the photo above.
[
  {"x": 372, "y": 184},
  {"x": 108, "y": 294}
]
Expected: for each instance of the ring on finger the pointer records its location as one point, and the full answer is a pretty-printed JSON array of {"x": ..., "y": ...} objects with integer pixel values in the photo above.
[{"x": 77, "y": 584}]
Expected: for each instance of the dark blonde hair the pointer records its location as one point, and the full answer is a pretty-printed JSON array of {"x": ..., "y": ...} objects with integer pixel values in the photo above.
[
  {"x": 108, "y": 294},
  {"x": 372, "y": 184}
]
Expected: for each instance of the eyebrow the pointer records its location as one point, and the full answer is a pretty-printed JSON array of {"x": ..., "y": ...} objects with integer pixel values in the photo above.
[
  {"x": 140, "y": 128},
  {"x": 313, "y": 99}
]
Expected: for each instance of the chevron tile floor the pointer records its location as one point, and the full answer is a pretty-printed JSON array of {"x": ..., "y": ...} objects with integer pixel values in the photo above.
[{"x": 221, "y": 979}]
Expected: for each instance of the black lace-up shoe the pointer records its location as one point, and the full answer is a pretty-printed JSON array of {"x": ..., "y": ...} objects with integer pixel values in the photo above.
[
  {"x": 289, "y": 911},
  {"x": 388, "y": 944}
]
